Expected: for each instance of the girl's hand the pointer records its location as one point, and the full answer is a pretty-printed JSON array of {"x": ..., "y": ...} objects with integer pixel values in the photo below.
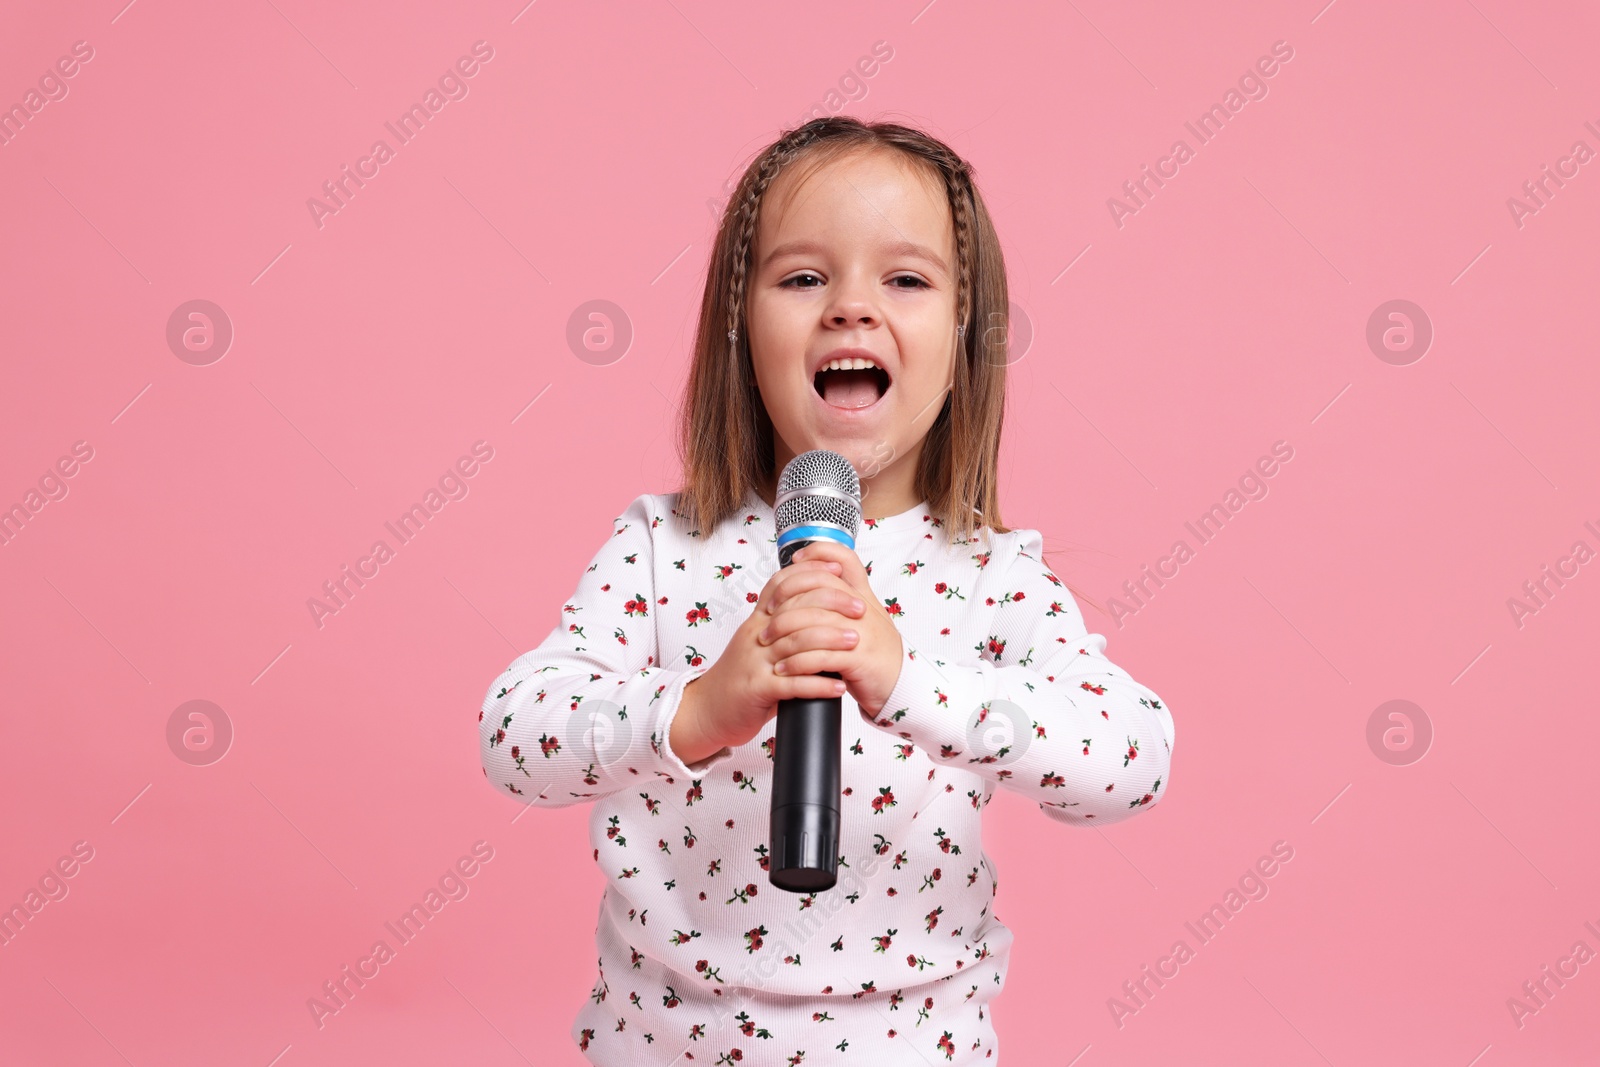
[
  {"x": 870, "y": 664},
  {"x": 738, "y": 694}
]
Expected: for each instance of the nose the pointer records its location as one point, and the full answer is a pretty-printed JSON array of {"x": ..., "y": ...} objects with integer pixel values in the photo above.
[{"x": 851, "y": 306}]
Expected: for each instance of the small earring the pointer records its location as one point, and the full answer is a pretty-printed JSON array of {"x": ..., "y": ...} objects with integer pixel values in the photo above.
[
  {"x": 733, "y": 336},
  {"x": 961, "y": 331}
]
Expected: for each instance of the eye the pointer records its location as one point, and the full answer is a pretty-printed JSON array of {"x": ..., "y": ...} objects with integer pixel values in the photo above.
[
  {"x": 911, "y": 278},
  {"x": 788, "y": 283}
]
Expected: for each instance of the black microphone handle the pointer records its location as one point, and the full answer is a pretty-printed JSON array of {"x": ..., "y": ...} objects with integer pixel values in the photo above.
[{"x": 805, "y": 794}]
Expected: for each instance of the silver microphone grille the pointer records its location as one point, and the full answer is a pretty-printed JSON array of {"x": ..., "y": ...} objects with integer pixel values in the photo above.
[{"x": 819, "y": 486}]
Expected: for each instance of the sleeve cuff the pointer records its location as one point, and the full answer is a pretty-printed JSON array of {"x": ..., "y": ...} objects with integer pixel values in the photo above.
[{"x": 671, "y": 700}]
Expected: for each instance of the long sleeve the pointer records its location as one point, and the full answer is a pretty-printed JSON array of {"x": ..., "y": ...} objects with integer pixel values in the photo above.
[
  {"x": 1036, "y": 707},
  {"x": 588, "y": 712}
]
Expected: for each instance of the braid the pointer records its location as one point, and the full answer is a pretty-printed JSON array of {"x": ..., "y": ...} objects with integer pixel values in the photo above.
[
  {"x": 772, "y": 162},
  {"x": 959, "y": 182}
]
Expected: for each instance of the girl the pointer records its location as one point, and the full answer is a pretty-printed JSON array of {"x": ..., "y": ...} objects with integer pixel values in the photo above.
[{"x": 855, "y": 301}]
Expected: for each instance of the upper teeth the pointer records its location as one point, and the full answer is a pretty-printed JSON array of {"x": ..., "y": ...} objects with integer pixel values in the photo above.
[{"x": 856, "y": 363}]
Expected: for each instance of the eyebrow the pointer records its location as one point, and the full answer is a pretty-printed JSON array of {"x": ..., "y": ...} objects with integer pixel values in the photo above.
[{"x": 900, "y": 248}]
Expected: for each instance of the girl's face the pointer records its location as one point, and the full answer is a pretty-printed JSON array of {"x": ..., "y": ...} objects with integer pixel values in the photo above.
[{"x": 858, "y": 261}]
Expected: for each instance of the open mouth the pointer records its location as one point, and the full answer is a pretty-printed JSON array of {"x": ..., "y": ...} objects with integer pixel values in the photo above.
[{"x": 851, "y": 388}]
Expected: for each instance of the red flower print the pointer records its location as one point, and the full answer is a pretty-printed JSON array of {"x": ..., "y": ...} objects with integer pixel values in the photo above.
[
  {"x": 1095, "y": 688},
  {"x": 699, "y": 614},
  {"x": 638, "y": 605}
]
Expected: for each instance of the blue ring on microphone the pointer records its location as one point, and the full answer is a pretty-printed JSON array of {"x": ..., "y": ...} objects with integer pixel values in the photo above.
[{"x": 815, "y": 533}]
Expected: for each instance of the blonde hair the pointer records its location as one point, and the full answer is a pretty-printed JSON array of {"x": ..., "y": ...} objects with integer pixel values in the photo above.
[{"x": 725, "y": 437}]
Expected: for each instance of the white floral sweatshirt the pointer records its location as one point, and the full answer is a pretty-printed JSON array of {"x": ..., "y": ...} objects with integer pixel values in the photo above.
[{"x": 701, "y": 959}]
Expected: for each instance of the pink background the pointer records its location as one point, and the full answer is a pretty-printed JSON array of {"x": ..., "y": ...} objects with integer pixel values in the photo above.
[{"x": 1230, "y": 312}]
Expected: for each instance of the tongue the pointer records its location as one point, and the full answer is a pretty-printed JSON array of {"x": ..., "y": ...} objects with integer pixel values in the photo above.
[{"x": 850, "y": 388}]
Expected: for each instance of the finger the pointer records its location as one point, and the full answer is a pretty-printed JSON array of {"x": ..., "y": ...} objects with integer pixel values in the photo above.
[
  {"x": 795, "y": 619},
  {"x": 804, "y": 686},
  {"x": 787, "y": 585},
  {"x": 814, "y": 661},
  {"x": 792, "y": 573},
  {"x": 851, "y": 568},
  {"x": 821, "y": 591},
  {"x": 833, "y": 633}
]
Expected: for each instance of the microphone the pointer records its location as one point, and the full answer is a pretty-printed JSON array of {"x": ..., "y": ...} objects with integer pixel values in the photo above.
[{"x": 818, "y": 498}]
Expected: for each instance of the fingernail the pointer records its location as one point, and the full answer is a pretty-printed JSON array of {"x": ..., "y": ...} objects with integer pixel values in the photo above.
[
  {"x": 778, "y": 669},
  {"x": 850, "y": 635},
  {"x": 856, "y": 605}
]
